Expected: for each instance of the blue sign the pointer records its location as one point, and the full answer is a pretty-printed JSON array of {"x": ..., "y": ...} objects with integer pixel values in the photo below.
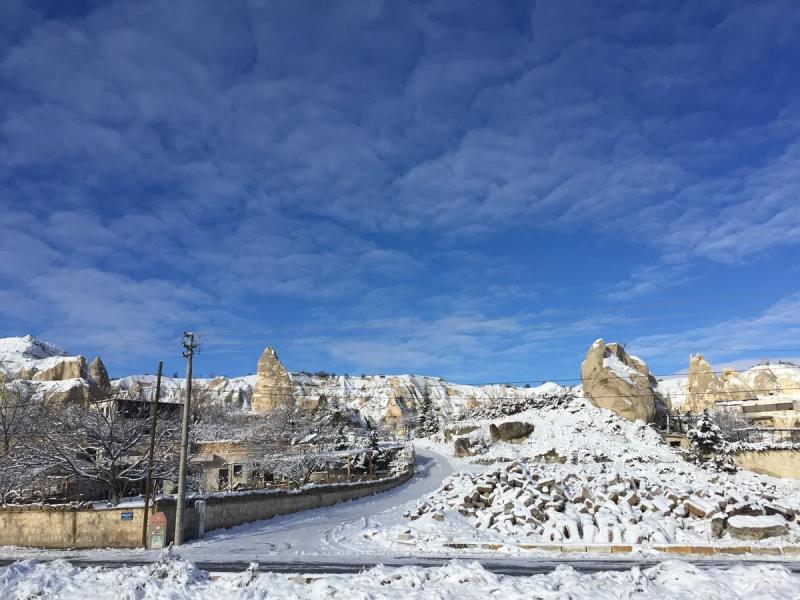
[{"x": 126, "y": 516}]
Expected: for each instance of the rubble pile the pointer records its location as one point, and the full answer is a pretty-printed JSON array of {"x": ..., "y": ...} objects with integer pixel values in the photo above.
[
  {"x": 567, "y": 505},
  {"x": 513, "y": 406}
]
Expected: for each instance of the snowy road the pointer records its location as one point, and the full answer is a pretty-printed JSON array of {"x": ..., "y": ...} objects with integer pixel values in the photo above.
[{"x": 314, "y": 532}]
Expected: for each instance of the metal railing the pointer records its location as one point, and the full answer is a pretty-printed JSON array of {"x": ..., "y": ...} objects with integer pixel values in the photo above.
[{"x": 766, "y": 435}]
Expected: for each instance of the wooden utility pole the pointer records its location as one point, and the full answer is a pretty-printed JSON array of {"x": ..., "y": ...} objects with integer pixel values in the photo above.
[
  {"x": 148, "y": 486},
  {"x": 189, "y": 347}
]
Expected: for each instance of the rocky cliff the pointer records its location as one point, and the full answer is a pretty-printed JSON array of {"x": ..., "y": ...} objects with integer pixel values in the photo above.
[
  {"x": 389, "y": 400},
  {"x": 48, "y": 371}
]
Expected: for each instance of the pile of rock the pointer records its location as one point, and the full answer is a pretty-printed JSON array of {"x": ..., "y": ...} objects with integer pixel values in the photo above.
[
  {"x": 557, "y": 503},
  {"x": 513, "y": 406}
]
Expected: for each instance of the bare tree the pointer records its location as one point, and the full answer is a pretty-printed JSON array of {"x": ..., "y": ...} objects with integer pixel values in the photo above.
[
  {"x": 19, "y": 413},
  {"x": 730, "y": 422},
  {"x": 294, "y": 468},
  {"x": 106, "y": 447},
  {"x": 20, "y": 417}
]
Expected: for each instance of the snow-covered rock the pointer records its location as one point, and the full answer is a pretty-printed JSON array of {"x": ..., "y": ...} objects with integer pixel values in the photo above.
[
  {"x": 757, "y": 527},
  {"x": 615, "y": 380},
  {"x": 29, "y": 358},
  {"x": 601, "y": 504}
]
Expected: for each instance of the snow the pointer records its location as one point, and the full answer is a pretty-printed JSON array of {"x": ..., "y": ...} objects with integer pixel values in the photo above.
[
  {"x": 757, "y": 521},
  {"x": 177, "y": 579},
  {"x": 370, "y": 395},
  {"x": 575, "y": 431},
  {"x": 19, "y": 354},
  {"x": 619, "y": 368}
]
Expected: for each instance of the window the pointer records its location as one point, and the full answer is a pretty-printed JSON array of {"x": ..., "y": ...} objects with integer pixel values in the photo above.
[
  {"x": 222, "y": 477},
  {"x": 237, "y": 470}
]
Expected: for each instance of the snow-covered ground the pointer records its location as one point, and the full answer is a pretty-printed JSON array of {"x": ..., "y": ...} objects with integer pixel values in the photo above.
[
  {"x": 177, "y": 579},
  {"x": 583, "y": 477},
  {"x": 321, "y": 532}
]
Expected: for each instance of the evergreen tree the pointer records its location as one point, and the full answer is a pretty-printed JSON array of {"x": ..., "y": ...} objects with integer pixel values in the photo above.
[
  {"x": 707, "y": 445},
  {"x": 705, "y": 438},
  {"x": 380, "y": 458},
  {"x": 341, "y": 440},
  {"x": 428, "y": 420}
]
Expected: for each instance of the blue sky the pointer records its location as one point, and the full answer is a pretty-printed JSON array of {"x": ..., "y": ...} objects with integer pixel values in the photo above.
[{"x": 475, "y": 190}]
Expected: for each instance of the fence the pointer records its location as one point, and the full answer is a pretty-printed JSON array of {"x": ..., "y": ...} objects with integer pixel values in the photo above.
[{"x": 770, "y": 436}]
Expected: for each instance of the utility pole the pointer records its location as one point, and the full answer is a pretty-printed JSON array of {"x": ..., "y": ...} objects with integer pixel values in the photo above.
[
  {"x": 188, "y": 352},
  {"x": 148, "y": 486}
]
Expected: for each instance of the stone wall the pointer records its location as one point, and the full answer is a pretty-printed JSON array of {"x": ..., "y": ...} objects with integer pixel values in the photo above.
[
  {"x": 65, "y": 527},
  {"x": 778, "y": 463},
  {"x": 228, "y": 511}
]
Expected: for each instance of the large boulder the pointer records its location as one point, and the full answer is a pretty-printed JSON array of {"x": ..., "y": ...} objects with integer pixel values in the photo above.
[
  {"x": 461, "y": 447},
  {"x": 273, "y": 387},
  {"x": 615, "y": 380},
  {"x": 757, "y": 527},
  {"x": 510, "y": 431}
]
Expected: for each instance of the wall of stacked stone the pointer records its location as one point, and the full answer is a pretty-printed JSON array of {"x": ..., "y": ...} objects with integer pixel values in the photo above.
[{"x": 121, "y": 527}]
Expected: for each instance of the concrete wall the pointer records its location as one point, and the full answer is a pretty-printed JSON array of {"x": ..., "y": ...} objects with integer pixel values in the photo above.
[
  {"x": 778, "y": 463},
  {"x": 64, "y": 527}
]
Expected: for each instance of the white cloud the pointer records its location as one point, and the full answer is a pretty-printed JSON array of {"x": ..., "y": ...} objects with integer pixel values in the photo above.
[{"x": 767, "y": 335}]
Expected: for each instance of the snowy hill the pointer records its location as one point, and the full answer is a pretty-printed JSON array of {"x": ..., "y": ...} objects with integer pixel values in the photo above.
[
  {"x": 379, "y": 398},
  {"x": 22, "y": 357}
]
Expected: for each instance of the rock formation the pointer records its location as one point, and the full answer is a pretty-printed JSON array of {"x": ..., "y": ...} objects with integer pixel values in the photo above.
[
  {"x": 614, "y": 380},
  {"x": 273, "y": 387},
  {"x": 704, "y": 387},
  {"x": 60, "y": 368},
  {"x": 98, "y": 375}
]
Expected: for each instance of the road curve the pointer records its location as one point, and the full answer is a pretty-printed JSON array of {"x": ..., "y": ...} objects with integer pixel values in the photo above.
[{"x": 309, "y": 533}]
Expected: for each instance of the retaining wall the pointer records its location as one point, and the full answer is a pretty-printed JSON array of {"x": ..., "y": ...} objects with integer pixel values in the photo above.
[
  {"x": 778, "y": 463},
  {"x": 66, "y": 527}
]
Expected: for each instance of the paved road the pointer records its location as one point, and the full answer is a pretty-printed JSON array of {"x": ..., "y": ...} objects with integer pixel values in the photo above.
[{"x": 519, "y": 568}]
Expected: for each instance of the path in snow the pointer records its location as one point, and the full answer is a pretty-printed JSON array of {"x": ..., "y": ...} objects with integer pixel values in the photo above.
[{"x": 313, "y": 532}]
